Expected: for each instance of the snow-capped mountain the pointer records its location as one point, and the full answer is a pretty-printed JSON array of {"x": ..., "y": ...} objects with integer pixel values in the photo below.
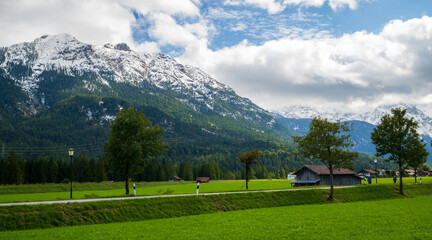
[
  {"x": 418, "y": 113},
  {"x": 102, "y": 67},
  {"x": 299, "y": 118}
]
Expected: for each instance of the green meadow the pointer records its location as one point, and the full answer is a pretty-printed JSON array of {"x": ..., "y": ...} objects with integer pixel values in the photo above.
[
  {"x": 49, "y": 192},
  {"x": 405, "y": 218}
]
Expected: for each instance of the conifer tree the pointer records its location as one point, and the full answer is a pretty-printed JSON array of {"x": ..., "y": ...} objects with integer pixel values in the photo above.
[{"x": 14, "y": 173}]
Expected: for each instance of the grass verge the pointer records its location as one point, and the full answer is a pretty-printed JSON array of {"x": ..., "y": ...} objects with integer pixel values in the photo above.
[{"x": 357, "y": 220}]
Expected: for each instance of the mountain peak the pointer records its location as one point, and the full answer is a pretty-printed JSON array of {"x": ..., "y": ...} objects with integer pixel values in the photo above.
[
  {"x": 62, "y": 37},
  {"x": 122, "y": 46}
]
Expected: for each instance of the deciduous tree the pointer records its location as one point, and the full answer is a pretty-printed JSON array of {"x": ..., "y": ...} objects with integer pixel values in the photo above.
[
  {"x": 325, "y": 141},
  {"x": 417, "y": 156},
  {"x": 248, "y": 159},
  {"x": 396, "y": 138},
  {"x": 132, "y": 141}
]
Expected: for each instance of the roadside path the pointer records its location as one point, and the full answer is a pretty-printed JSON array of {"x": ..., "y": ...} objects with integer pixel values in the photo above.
[{"x": 158, "y": 196}]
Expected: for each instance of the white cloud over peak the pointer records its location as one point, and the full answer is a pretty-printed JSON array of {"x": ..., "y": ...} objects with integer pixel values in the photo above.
[{"x": 91, "y": 21}]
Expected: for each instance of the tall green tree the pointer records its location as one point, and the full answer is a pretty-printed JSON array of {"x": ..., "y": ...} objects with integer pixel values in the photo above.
[
  {"x": 417, "y": 156},
  {"x": 132, "y": 141},
  {"x": 53, "y": 170},
  {"x": 248, "y": 159},
  {"x": 327, "y": 142},
  {"x": 396, "y": 138}
]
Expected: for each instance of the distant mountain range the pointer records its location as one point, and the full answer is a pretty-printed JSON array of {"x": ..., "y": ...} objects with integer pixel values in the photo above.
[{"x": 298, "y": 118}]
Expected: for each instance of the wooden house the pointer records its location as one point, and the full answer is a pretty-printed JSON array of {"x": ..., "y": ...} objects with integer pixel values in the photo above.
[
  {"x": 175, "y": 179},
  {"x": 202, "y": 179},
  {"x": 313, "y": 175}
]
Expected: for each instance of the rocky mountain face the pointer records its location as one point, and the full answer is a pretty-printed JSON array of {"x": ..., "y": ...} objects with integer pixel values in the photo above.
[{"x": 104, "y": 65}]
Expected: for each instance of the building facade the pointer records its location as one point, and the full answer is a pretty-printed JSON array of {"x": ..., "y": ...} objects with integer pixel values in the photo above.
[{"x": 313, "y": 175}]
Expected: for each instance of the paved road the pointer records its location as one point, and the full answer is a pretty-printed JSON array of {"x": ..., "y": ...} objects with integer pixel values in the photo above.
[{"x": 157, "y": 196}]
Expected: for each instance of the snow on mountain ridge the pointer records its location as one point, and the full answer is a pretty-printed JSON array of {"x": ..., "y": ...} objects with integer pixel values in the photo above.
[
  {"x": 373, "y": 117},
  {"x": 65, "y": 54}
]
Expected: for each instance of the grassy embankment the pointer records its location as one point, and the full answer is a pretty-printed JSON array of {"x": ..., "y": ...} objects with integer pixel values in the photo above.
[
  {"x": 405, "y": 218},
  {"x": 49, "y": 192},
  {"x": 57, "y": 215}
]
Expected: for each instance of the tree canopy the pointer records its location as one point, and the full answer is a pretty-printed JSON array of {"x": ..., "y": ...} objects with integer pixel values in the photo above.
[
  {"x": 325, "y": 141},
  {"x": 396, "y": 138},
  {"x": 417, "y": 156},
  {"x": 132, "y": 141}
]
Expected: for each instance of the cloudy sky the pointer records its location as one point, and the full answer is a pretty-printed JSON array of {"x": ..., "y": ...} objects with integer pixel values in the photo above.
[{"x": 347, "y": 54}]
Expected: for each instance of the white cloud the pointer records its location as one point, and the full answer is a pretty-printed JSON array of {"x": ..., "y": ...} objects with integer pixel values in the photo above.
[
  {"x": 167, "y": 32},
  {"x": 185, "y": 8},
  {"x": 271, "y": 6},
  {"x": 347, "y": 71},
  {"x": 335, "y": 5},
  {"x": 306, "y": 3},
  {"x": 239, "y": 27},
  {"x": 340, "y": 4}
]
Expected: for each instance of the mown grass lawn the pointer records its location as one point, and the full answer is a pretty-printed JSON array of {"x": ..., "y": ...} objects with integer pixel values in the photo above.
[
  {"x": 405, "y": 218},
  {"x": 48, "y": 192}
]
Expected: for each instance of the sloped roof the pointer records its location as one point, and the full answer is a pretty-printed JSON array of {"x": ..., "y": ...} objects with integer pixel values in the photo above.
[
  {"x": 202, "y": 179},
  {"x": 368, "y": 171},
  {"x": 323, "y": 170}
]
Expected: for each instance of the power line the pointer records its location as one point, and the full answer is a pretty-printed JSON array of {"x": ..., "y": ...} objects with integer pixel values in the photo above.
[{"x": 98, "y": 145}]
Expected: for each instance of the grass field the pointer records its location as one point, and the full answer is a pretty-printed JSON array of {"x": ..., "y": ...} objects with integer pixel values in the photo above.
[
  {"x": 72, "y": 214},
  {"x": 405, "y": 218},
  {"x": 48, "y": 192}
]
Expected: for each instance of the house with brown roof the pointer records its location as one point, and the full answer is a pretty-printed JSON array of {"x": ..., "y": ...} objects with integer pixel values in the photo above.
[
  {"x": 175, "y": 179},
  {"x": 367, "y": 173},
  {"x": 202, "y": 179},
  {"x": 313, "y": 175}
]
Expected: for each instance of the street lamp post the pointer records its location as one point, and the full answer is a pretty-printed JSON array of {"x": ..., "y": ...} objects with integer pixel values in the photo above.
[
  {"x": 71, "y": 153},
  {"x": 376, "y": 171}
]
